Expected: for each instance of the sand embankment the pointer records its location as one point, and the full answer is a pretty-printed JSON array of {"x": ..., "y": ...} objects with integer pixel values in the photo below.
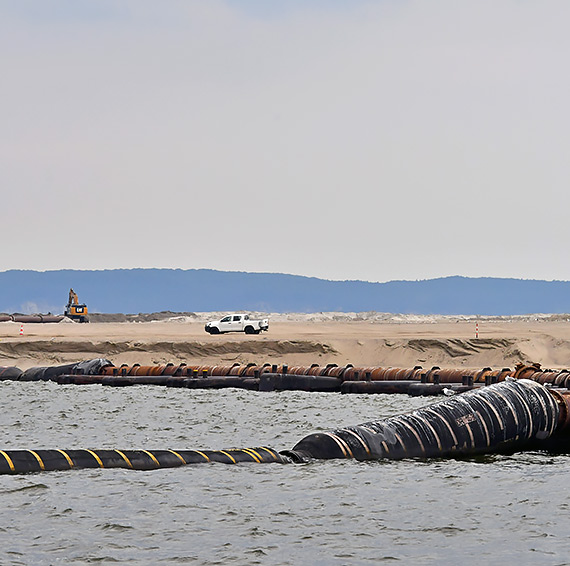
[{"x": 369, "y": 339}]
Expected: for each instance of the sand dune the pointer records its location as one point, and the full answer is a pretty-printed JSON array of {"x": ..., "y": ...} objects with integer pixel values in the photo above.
[{"x": 369, "y": 339}]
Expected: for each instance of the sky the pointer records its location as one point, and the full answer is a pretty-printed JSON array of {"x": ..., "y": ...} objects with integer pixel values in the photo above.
[{"x": 373, "y": 140}]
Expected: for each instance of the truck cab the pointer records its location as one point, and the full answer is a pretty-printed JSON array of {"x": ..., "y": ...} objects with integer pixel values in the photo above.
[{"x": 233, "y": 322}]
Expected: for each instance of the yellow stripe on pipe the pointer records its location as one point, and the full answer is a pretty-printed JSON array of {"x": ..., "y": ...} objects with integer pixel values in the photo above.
[
  {"x": 257, "y": 453},
  {"x": 153, "y": 458},
  {"x": 253, "y": 454},
  {"x": 69, "y": 460},
  {"x": 37, "y": 457},
  {"x": 96, "y": 458},
  {"x": 124, "y": 458},
  {"x": 348, "y": 449},
  {"x": 399, "y": 439},
  {"x": 358, "y": 438},
  {"x": 271, "y": 452},
  {"x": 202, "y": 454},
  {"x": 337, "y": 442},
  {"x": 9, "y": 460},
  {"x": 178, "y": 455},
  {"x": 347, "y": 452},
  {"x": 228, "y": 455}
]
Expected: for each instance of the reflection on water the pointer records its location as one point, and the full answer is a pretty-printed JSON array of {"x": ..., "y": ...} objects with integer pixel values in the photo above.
[{"x": 508, "y": 509}]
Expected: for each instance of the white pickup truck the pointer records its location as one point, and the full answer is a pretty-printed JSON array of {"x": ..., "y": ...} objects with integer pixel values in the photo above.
[{"x": 237, "y": 323}]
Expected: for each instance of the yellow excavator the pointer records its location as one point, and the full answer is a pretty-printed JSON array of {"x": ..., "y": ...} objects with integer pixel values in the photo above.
[{"x": 74, "y": 310}]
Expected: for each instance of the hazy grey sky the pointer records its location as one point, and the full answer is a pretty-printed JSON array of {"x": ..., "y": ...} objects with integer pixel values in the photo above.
[{"x": 345, "y": 140}]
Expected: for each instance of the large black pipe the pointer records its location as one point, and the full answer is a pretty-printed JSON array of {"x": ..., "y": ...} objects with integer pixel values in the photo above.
[
  {"x": 502, "y": 417},
  {"x": 46, "y": 373},
  {"x": 52, "y": 373},
  {"x": 10, "y": 373}
]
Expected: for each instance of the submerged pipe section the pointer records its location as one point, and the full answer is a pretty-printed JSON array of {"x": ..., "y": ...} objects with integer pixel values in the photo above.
[{"x": 503, "y": 417}]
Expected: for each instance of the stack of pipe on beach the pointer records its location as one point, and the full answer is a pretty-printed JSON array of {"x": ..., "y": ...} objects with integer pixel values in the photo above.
[
  {"x": 31, "y": 318},
  {"x": 268, "y": 377},
  {"x": 504, "y": 417}
]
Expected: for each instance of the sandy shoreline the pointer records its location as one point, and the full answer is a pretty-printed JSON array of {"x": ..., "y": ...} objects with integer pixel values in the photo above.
[{"x": 298, "y": 340}]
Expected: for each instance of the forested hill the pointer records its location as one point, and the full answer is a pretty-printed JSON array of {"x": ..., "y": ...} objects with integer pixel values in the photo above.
[{"x": 200, "y": 290}]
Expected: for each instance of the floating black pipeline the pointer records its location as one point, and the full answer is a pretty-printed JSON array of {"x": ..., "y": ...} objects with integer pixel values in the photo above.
[
  {"x": 502, "y": 417},
  {"x": 25, "y": 461}
]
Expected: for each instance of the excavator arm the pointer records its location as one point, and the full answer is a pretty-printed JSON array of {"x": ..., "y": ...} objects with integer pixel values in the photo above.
[{"x": 73, "y": 300}]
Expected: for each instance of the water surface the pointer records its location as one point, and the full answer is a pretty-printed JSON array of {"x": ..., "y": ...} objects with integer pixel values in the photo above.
[{"x": 498, "y": 509}]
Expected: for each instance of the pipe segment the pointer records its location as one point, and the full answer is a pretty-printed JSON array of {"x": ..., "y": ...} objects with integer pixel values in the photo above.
[
  {"x": 10, "y": 373},
  {"x": 26, "y": 461},
  {"x": 503, "y": 417}
]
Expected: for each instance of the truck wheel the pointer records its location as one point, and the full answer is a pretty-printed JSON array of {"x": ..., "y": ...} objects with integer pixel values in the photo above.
[
  {"x": 214, "y": 330},
  {"x": 249, "y": 330}
]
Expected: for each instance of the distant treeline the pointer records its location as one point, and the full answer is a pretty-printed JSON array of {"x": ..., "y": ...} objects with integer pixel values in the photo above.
[{"x": 200, "y": 290}]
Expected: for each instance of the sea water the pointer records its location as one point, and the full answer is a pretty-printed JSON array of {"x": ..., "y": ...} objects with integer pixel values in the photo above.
[{"x": 491, "y": 510}]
